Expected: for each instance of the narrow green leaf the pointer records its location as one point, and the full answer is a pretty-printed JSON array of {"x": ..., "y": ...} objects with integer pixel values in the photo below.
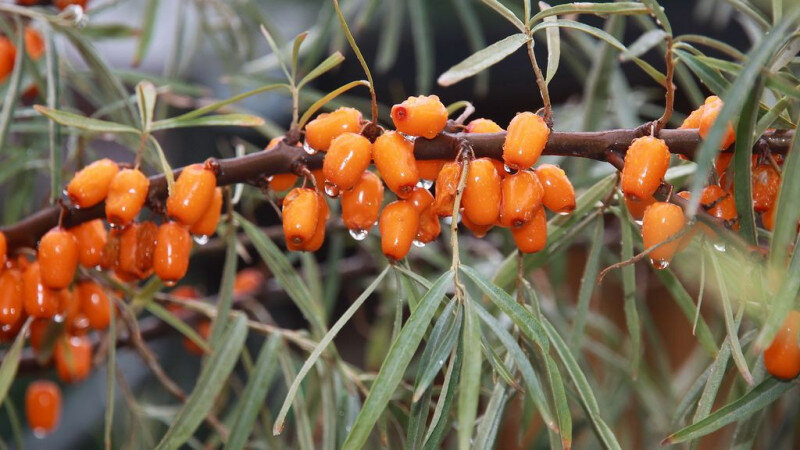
[
  {"x": 643, "y": 44},
  {"x": 483, "y": 59},
  {"x": 329, "y": 63},
  {"x": 222, "y": 103},
  {"x": 615, "y": 8},
  {"x": 147, "y": 28},
  {"x": 686, "y": 304},
  {"x": 146, "y": 100},
  {"x": 490, "y": 421},
  {"x": 165, "y": 167},
  {"x": 111, "y": 377},
  {"x": 85, "y": 123},
  {"x": 328, "y": 97},
  {"x": 469, "y": 388},
  {"x": 219, "y": 120},
  {"x": 8, "y": 368},
  {"x": 559, "y": 396},
  {"x": 788, "y": 207},
  {"x": 784, "y": 299},
  {"x": 710, "y": 391},
  {"x": 506, "y": 13},
  {"x": 298, "y": 41},
  {"x": 629, "y": 292},
  {"x": 357, "y": 51},
  {"x": 13, "y": 420},
  {"x": 225, "y": 302},
  {"x": 553, "y": 45},
  {"x": 441, "y": 341},
  {"x": 742, "y": 164},
  {"x": 277, "y": 52},
  {"x": 588, "y": 283},
  {"x": 708, "y": 76},
  {"x": 439, "y": 422},
  {"x": 658, "y": 12}
]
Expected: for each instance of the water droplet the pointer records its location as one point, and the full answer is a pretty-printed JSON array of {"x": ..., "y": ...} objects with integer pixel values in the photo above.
[
  {"x": 720, "y": 246},
  {"x": 639, "y": 222},
  {"x": 169, "y": 283},
  {"x": 359, "y": 235},
  {"x": 331, "y": 189},
  {"x": 659, "y": 264},
  {"x": 509, "y": 169},
  {"x": 425, "y": 184},
  {"x": 201, "y": 240},
  {"x": 308, "y": 148},
  {"x": 417, "y": 243},
  {"x": 40, "y": 433},
  {"x": 563, "y": 213},
  {"x": 407, "y": 136},
  {"x": 448, "y": 220}
]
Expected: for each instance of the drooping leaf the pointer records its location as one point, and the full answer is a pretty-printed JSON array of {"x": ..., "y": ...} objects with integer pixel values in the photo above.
[
  {"x": 82, "y": 122},
  {"x": 483, "y": 59},
  {"x": 469, "y": 386}
]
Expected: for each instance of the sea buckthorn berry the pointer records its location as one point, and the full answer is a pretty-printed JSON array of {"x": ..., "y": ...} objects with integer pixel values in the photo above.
[
  {"x": 636, "y": 206},
  {"x": 3, "y": 249},
  {"x": 361, "y": 205},
  {"x": 43, "y": 407},
  {"x": 483, "y": 126},
  {"x": 69, "y": 305},
  {"x": 171, "y": 257},
  {"x": 719, "y": 203},
  {"x": 9, "y": 332},
  {"x": 321, "y": 131},
  {"x": 429, "y": 169},
  {"x": 248, "y": 282},
  {"x": 399, "y": 223},
  {"x": 37, "y": 332},
  {"x": 34, "y": 44},
  {"x": 532, "y": 236},
  {"x": 711, "y": 109},
  {"x": 323, "y": 213},
  {"x": 646, "y": 163},
  {"x": 347, "y": 158},
  {"x": 281, "y": 181},
  {"x": 522, "y": 195},
  {"x": 478, "y": 230},
  {"x": 721, "y": 163},
  {"x": 421, "y": 198},
  {"x": 203, "y": 328},
  {"x": 191, "y": 195},
  {"x": 768, "y": 218},
  {"x": 394, "y": 157},
  {"x": 126, "y": 196},
  {"x": 126, "y": 262},
  {"x": 559, "y": 195},
  {"x": 429, "y": 226},
  {"x": 8, "y": 54},
  {"x": 90, "y": 185},
  {"x": 446, "y": 187},
  {"x": 109, "y": 256},
  {"x": 73, "y": 358},
  {"x": 10, "y": 296},
  {"x": 146, "y": 236},
  {"x": 63, "y": 4},
  {"x": 300, "y": 215},
  {"x": 766, "y": 182},
  {"x": 95, "y": 304},
  {"x": 782, "y": 357},
  {"x": 526, "y": 138},
  {"x": 693, "y": 119},
  {"x": 482, "y": 195},
  {"x": 661, "y": 221},
  {"x": 207, "y": 225},
  {"x": 423, "y": 116},
  {"x": 91, "y": 237},
  {"x": 58, "y": 257}
]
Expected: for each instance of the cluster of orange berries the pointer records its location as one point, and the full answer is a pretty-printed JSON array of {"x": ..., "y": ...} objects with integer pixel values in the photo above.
[
  {"x": 509, "y": 195},
  {"x": 34, "y": 47}
]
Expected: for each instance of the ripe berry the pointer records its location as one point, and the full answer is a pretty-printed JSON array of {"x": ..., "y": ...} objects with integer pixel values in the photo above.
[
  {"x": 526, "y": 138},
  {"x": 423, "y": 116},
  {"x": 482, "y": 195},
  {"x": 559, "y": 196},
  {"x": 782, "y": 357},
  {"x": 719, "y": 203},
  {"x": 191, "y": 195},
  {"x": 204, "y": 330},
  {"x": 34, "y": 44},
  {"x": 446, "y": 187},
  {"x": 323, "y": 213},
  {"x": 362, "y": 204},
  {"x": 3, "y": 249},
  {"x": 766, "y": 183},
  {"x": 300, "y": 215},
  {"x": 171, "y": 257},
  {"x": 281, "y": 181},
  {"x": 8, "y": 54},
  {"x": 693, "y": 119},
  {"x": 399, "y": 223},
  {"x": 483, "y": 126},
  {"x": 429, "y": 226},
  {"x": 522, "y": 195},
  {"x": 43, "y": 407},
  {"x": 68, "y": 305},
  {"x": 94, "y": 304},
  {"x": 711, "y": 109},
  {"x": 347, "y": 158},
  {"x": 646, "y": 163},
  {"x": 248, "y": 282},
  {"x": 37, "y": 332},
  {"x": 321, "y": 131},
  {"x": 10, "y": 296},
  {"x": 394, "y": 157},
  {"x": 532, "y": 236},
  {"x": 90, "y": 185},
  {"x": 136, "y": 249},
  {"x": 478, "y": 230},
  {"x": 58, "y": 257},
  {"x": 722, "y": 162},
  {"x": 63, "y": 4},
  {"x": 73, "y": 358},
  {"x": 421, "y": 198},
  {"x": 91, "y": 237},
  {"x": 768, "y": 218},
  {"x": 126, "y": 196},
  {"x": 207, "y": 225},
  {"x": 429, "y": 169},
  {"x": 661, "y": 221}
]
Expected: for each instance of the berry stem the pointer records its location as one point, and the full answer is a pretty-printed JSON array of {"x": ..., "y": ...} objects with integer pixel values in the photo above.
[
  {"x": 670, "y": 87},
  {"x": 540, "y": 81}
]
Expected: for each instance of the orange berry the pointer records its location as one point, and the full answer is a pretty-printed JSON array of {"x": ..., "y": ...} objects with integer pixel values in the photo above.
[
  {"x": 782, "y": 357},
  {"x": 204, "y": 330},
  {"x": 394, "y": 157},
  {"x": 90, "y": 185},
  {"x": 91, "y": 237},
  {"x": 482, "y": 194},
  {"x": 73, "y": 358},
  {"x": 522, "y": 195},
  {"x": 766, "y": 183},
  {"x": 8, "y": 332},
  {"x": 281, "y": 181},
  {"x": 300, "y": 215},
  {"x": 423, "y": 116},
  {"x": 58, "y": 257},
  {"x": 661, "y": 221},
  {"x": 768, "y": 218},
  {"x": 109, "y": 256},
  {"x": 8, "y": 54},
  {"x": 646, "y": 163},
  {"x": 68, "y": 304},
  {"x": 10, "y": 296},
  {"x": 559, "y": 196},
  {"x": 191, "y": 195},
  {"x": 526, "y": 138},
  {"x": 126, "y": 196},
  {"x": 171, "y": 256},
  {"x": 207, "y": 225},
  {"x": 719, "y": 203},
  {"x": 94, "y": 304},
  {"x": 3, "y": 249},
  {"x": 184, "y": 293},
  {"x": 532, "y": 236},
  {"x": 478, "y": 230},
  {"x": 446, "y": 187},
  {"x": 43, "y": 407},
  {"x": 399, "y": 223},
  {"x": 136, "y": 248},
  {"x": 247, "y": 282},
  {"x": 711, "y": 109},
  {"x": 693, "y": 119},
  {"x": 63, "y": 4},
  {"x": 483, "y": 126},
  {"x": 34, "y": 44},
  {"x": 429, "y": 226},
  {"x": 321, "y": 131},
  {"x": 37, "y": 332},
  {"x": 421, "y": 198},
  {"x": 637, "y": 206},
  {"x": 323, "y": 213},
  {"x": 722, "y": 162},
  {"x": 347, "y": 158},
  {"x": 429, "y": 169},
  {"x": 362, "y": 204}
]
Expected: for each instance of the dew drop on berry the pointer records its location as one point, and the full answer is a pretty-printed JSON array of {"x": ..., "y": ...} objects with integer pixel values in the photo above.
[
  {"x": 417, "y": 243},
  {"x": 331, "y": 190},
  {"x": 659, "y": 264},
  {"x": 563, "y": 213},
  {"x": 359, "y": 235},
  {"x": 425, "y": 184},
  {"x": 201, "y": 240},
  {"x": 509, "y": 169},
  {"x": 170, "y": 283}
]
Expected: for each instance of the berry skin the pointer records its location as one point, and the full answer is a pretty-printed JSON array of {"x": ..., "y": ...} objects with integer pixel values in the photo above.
[
  {"x": 429, "y": 226},
  {"x": 429, "y": 169},
  {"x": 95, "y": 304},
  {"x": 768, "y": 218},
  {"x": 722, "y": 162},
  {"x": 782, "y": 357},
  {"x": 347, "y": 158},
  {"x": 482, "y": 194},
  {"x": 719, "y": 203},
  {"x": 483, "y": 126},
  {"x": 394, "y": 157},
  {"x": 91, "y": 237},
  {"x": 37, "y": 333},
  {"x": 8, "y": 54},
  {"x": 63, "y": 4},
  {"x": 90, "y": 185},
  {"x": 361, "y": 205},
  {"x": 43, "y": 407},
  {"x": 446, "y": 187},
  {"x": 282, "y": 181},
  {"x": 58, "y": 257},
  {"x": 423, "y": 116},
  {"x": 323, "y": 213},
  {"x": 766, "y": 183},
  {"x": 661, "y": 221},
  {"x": 171, "y": 256},
  {"x": 191, "y": 195},
  {"x": 478, "y": 230},
  {"x": 421, "y": 198},
  {"x": 321, "y": 131},
  {"x": 646, "y": 162},
  {"x": 204, "y": 330},
  {"x": 69, "y": 306},
  {"x": 38, "y": 300},
  {"x": 559, "y": 195},
  {"x": 399, "y": 223},
  {"x": 247, "y": 282},
  {"x": 10, "y": 296},
  {"x": 3, "y": 249},
  {"x": 636, "y": 207},
  {"x": 34, "y": 44},
  {"x": 693, "y": 119},
  {"x": 711, "y": 109},
  {"x": 126, "y": 196},
  {"x": 73, "y": 358},
  {"x": 207, "y": 225},
  {"x": 522, "y": 195},
  {"x": 532, "y": 237},
  {"x": 300, "y": 216},
  {"x": 526, "y": 138},
  {"x": 136, "y": 250}
]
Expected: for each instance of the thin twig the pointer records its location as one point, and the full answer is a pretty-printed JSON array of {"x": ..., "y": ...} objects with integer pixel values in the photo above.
[
  {"x": 640, "y": 256},
  {"x": 542, "y": 84},
  {"x": 669, "y": 101}
]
